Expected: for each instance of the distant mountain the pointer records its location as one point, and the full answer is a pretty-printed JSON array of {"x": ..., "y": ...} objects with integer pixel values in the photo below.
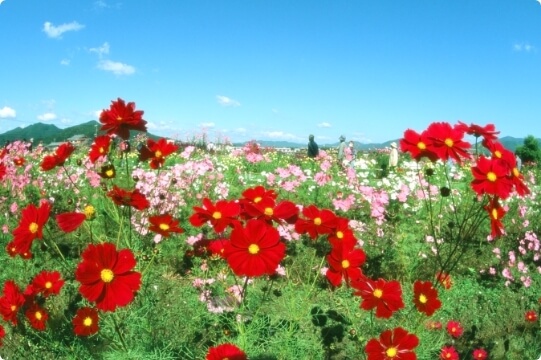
[{"x": 48, "y": 133}]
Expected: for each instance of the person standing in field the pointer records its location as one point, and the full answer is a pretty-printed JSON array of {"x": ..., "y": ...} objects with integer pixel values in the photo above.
[
  {"x": 313, "y": 149},
  {"x": 341, "y": 150},
  {"x": 351, "y": 154},
  {"x": 393, "y": 156}
]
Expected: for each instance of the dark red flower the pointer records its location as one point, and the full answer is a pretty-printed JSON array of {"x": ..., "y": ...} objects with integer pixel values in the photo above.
[
  {"x": 121, "y": 118},
  {"x": 106, "y": 276},
  {"x": 164, "y": 225},
  {"x": 157, "y": 151},
  {"x": 267, "y": 209},
  {"x": 480, "y": 354},
  {"x": 60, "y": 156},
  {"x": 220, "y": 216},
  {"x": 225, "y": 352},
  {"x": 47, "y": 283},
  {"x": 19, "y": 161},
  {"x": 258, "y": 193},
  {"x": 3, "y": 171},
  {"x": 444, "y": 279},
  {"x": 448, "y": 142},
  {"x": 384, "y": 296},
  {"x": 30, "y": 226},
  {"x": 417, "y": 145},
  {"x": 342, "y": 234},
  {"x": 37, "y": 316},
  {"x": 254, "y": 250},
  {"x": 425, "y": 297},
  {"x": 488, "y": 132},
  {"x": 69, "y": 222},
  {"x": 86, "y": 321},
  {"x": 344, "y": 263},
  {"x": 491, "y": 177},
  {"x": 454, "y": 329},
  {"x": 396, "y": 344},
  {"x": 99, "y": 148},
  {"x": 129, "y": 198},
  {"x": 448, "y": 353},
  {"x": 530, "y": 316},
  {"x": 496, "y": 213},
  {"x": 316, "y": 222},
  {"x": 518, "y": 181},
  {"x": 217, "y": 247},
  {"x": 11, "y": 301}
]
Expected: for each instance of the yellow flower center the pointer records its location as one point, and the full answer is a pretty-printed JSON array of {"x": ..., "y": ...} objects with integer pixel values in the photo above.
[
  {"x": 495, "y": 214},
  {"x": 109, "y": 173},
  {"x": 48, "y": 285},
  {"x": 516, "y": 173},
  {"x": 345, "y": 264},
  {"x": 257, "y": 199},
  {"x": 13, "y": 307},
  {"x": 164, "y": 227},
  {"x": 158, "y": 154},
  {"x": 107, "y": 275},
  {"x": 38, "y": 315},
  {"x": 89, "y": 211},
  {"x": 449, "y": 142},
  {"x": 317, "y": 221},
  {"x": 421, "y": 145},
  {"x": 119, "y": 118},
  {"x": 423, "y": 299},
  {"x": 339, "y": 234},
  {"x": 378, "y": 293},
  {"x": 269, "y": 211},
  {"x": 87, "y": 321},
  {"x": 453, "y": 330},
  {"x": 491, "y": 176},
  {"x": 498, "y": 154},
  {"x": 101, "y": 150},
  {"x": 253, "y": 249},
  {"x": 217, "y": 215},
  {"x": 391, "y": 352},
  {"x": 33, "y": 227}
]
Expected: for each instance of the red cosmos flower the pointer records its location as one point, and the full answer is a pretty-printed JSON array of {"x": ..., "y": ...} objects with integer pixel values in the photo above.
[
  {"x": 121, "y": 118},
  {"x": 344, "y": 262},
  {"x": 19, "y": 161},
  {"x": 448, "y": 142},
  {"x": 99, "y": 148},
  {"x": 317, "y": 222},
  {"x": 129, "y": 198},
  {"x": 480, "y": 354},
  {"x": 157, "y": 151},
  {"x": 3, "y": 153},
  {"x": 47, "y": 283},
  {"x": 385, "y": 296},
  {"x": 85, "y": 322},
  {"x": 448, "y": 353},
  {"x": 454, "y": 329},
  {"x": 491, "y": 177},
  {"x": 267, "y": 209},
  {"x": 69, "y": 222},
  {"x": 37, "y": 316},
  {"x": 11, "y": 301},
  {"x": 418, "y": 145},
  {"x": 106, "y": 276},
  {"x": 258, "y": 193},
  {"x": 164, "y": 225},
  {"x": 58, "y": 158},
  {"x": 517, "y": 179},
  {"x": 396, "y": 344},
  {"x": 530, "y": 316},
  {"x": 496, "y": 213},
  {"x": 342, "y": 234},
  {"x": 444, "y": 279},
  {"x": 425, "y": 297},
  {"x": 217, "y": 247},
  {"x": 254, "y": 250},
  {"x": 488, "y": 132},
  {"x": 498, "y": 151},
  {"x": 221, "y": 215},
  {"x": 3, "y": 171},
  {"x": 30, "y": 226},
  {"x": 225, "y": 352}
]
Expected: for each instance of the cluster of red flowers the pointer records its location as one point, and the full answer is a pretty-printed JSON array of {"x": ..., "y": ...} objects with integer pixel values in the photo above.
[
  {"x": 496, "y": 176},
  {"x": 14, "y": 301},
  {"x": 60, "y": 156}
]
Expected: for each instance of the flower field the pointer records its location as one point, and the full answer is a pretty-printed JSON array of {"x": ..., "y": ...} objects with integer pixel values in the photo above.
[{"x": 151, "y": 249}]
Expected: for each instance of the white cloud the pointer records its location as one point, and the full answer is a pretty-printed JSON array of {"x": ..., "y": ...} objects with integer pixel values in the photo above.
[
  {"x": 57, "y": 31},
  {"x": 104, "y": 49},
  {"x": 97, "y": 113},
  {"x": 279, "y": 135},
  {"x": 7, "y": 113},
  {"x": 65, "y": 62},
  {"x": 523, "y": 47},
  {"x": 241, "y": 130},
  {"x": 324, "y": 125},
  {"x": 47, "y": 116},
  {"x": 225, "y": 101},
  {"x": 208, "y": 125},
  {"x": 116, "y": 68},
  {"x": 100, "y": 4}
]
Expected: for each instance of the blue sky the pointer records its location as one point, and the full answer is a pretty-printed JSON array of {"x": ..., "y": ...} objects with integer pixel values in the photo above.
[{"x": 274, "y": 70}]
